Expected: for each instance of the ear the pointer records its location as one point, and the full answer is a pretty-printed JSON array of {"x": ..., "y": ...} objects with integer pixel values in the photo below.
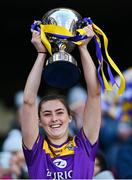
[{"x": 40, "y": 124}]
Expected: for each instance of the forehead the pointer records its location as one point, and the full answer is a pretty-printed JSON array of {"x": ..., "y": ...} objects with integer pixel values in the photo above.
[{"x": 52, "y": 104}]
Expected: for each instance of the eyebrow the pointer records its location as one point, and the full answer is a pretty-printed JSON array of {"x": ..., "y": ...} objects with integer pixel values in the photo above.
[{"x": 60, "y": 109}]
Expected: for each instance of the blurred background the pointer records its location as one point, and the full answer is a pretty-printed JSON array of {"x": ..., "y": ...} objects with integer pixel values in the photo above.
[{"x": 18, "y": 54}]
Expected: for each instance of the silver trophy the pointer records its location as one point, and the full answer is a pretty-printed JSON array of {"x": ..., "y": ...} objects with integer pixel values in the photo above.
[{"x": 61, "y": 70}]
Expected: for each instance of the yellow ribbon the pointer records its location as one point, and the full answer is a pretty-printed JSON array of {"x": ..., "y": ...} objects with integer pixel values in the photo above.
[{"x": 54, "y": 29}]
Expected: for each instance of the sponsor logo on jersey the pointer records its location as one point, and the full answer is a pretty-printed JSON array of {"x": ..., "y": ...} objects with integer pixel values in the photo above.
[
  {"x": 60, "y": 163},
  {"x": 60, "y": 175}
]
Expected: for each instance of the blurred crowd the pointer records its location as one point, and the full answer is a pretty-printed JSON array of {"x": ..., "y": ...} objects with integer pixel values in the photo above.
[{"x": 113, "y": 159}]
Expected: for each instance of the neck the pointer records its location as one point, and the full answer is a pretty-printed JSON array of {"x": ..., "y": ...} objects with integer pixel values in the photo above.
[{"x": 58, "y": 141}]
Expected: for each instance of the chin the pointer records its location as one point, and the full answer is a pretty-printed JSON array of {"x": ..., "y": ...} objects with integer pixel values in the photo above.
[{"x": 57, "y": 134}]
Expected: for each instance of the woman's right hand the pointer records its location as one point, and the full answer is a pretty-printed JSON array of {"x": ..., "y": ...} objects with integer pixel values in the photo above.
[{"x": 36, "y": 41}]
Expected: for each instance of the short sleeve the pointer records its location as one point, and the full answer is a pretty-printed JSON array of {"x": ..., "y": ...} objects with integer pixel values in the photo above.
[
  {"x": 83, "y": 142},
  {"x": 30, "y": 154}
]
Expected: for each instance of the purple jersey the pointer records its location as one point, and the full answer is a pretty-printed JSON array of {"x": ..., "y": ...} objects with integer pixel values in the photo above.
[{"x": 74, "y": 159}]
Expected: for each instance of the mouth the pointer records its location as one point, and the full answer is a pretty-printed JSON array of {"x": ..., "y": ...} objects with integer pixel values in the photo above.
[{"x": 54, "y": 126}]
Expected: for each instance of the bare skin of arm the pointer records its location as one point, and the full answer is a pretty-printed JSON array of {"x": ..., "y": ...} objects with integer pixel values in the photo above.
[
  {"x": 92, "y": 111},
  {"x": 29, "y": 121}
]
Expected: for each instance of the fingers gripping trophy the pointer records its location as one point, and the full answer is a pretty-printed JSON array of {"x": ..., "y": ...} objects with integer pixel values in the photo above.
[{"x": 61, "y": 30}]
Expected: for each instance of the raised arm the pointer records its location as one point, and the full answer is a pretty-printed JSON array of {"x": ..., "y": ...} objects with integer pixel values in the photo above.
[
  {"x": 29, "y": 121},
  {"x": 92, "y": 112}
]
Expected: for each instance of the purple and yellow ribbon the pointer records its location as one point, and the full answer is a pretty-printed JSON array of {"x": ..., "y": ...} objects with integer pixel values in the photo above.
[{"x": 63, "y": 33}]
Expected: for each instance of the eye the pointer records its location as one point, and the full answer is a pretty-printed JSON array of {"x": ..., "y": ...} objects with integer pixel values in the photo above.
[
  {"x": 46, "y": 114},
  {"x": 60, "y": 112}
]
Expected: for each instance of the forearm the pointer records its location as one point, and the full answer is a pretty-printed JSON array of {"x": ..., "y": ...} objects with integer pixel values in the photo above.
[
  {"x": 92, "y": 112},
  {"x": 34, "y": 79},
  {"x": 90, "y": 72}
]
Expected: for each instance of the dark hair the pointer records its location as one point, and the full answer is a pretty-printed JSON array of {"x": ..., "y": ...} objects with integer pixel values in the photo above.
[{"x": 50, "y": 97}]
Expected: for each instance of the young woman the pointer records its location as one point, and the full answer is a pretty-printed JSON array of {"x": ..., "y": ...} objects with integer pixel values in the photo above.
[{"x": 57, "y": 156}]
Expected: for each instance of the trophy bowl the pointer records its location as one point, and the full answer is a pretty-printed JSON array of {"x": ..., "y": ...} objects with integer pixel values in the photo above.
[{"x": 61, "y": 70}]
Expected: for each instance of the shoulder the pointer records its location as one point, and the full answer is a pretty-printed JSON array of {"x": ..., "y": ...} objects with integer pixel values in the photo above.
[
  {"x": 37, "y": 144},
  {"x": 84, "y": 144}
]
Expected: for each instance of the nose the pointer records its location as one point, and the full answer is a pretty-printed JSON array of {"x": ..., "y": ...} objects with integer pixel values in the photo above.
[{"x": 54, "y": 117}]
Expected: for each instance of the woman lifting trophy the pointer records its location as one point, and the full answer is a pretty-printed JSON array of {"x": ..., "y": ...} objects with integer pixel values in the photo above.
[{"x": 57, "y": 155}]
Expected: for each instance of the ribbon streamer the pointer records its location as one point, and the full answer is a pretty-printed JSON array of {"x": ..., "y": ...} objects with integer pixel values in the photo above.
[{"x": 63, "y": 33}]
